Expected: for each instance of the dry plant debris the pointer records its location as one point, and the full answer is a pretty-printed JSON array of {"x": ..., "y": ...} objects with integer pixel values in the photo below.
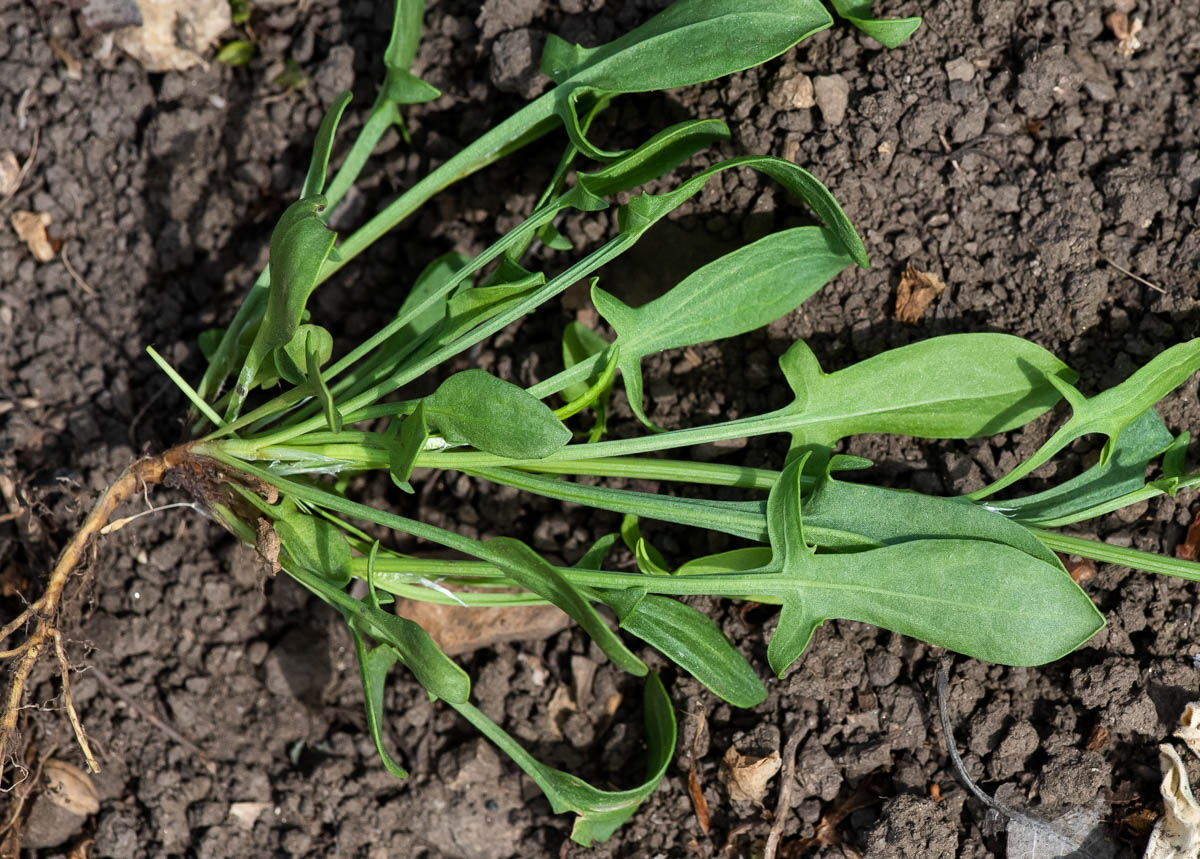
[
  {"x": 1189, "y": 549},
  {"x": 1177, "y": 833},
  {"x": 695, "y": 789},
  {"x": 31, "y": 229},
  {"x": 458, "y": 629},
  {"x": 10, "y": 173},
  {"x": 1126, "y": 31},
  {"x": 917, "y": 290},
  {"x": 746, "y": 776}
]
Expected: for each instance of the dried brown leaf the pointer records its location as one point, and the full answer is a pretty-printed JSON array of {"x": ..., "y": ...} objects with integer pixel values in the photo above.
[
  {"x": 458, "y": 629},
  {"x": 31, "y": 229},
  {"x": 698, "y": 801},
  {"x": 746, "y": 776},
  {"x": 917, "y": 290}
]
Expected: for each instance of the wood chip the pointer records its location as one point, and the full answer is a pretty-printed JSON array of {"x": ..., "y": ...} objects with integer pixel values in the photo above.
[
  {"x": 917, "y": 290},
  {"x": 31, "y": 229},
  {"x": 746, "y": 776}
]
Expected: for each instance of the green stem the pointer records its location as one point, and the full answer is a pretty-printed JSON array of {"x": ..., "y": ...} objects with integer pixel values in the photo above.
[
  {"x": 1109, "y": 554},
  {"x": 524, "y": 126},
  {"x": 384, "y": 114}
]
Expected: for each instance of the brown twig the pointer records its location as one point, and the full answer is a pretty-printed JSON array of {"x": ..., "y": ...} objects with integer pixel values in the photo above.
[
  {"x": 144, "y": 471},
  {"x": 171, "y": 732},
  {"x": 76, "y": 725},
  {"x": 1140, "y": 280},
  {"x": 75, "y": 276},
  {"x": 783, "y": 806}
]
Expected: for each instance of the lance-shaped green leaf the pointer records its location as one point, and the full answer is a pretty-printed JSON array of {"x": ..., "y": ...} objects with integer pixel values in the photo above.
[
  {"x": 312, "y": 542},
  {"x": 599, "y": 812},
  {"x": 374, "y": 665},
  {"x": 314, "y": 180},
  {"x": 733, "y": 561},
  {"x": 739, "y": 292},
  {"x": 643, "y": 211},
  {"x": 593, "y": 558},
  {"x": 984, "y": 600},
  {"x": 476, "y": 408},
  {"x": 691, "y": 640},
  {"x": 658, "y": 156},
  {"x": 839, "y": 514},
  {"x": 579, "y": 342},
  {"x": 1111, "y": 411},
  {"x": 316, "y": 383},
  {"x": 688, "y": 43},
  {"x": 291, "y": 359},
  {"x": 402, "y": 450},
  {"x": 401, "y": 86},
  {"x": 300, "y": 244},
  {"x": 469, "y": 307},
  {"x": 890, "y": 32},
  {"x": 434, "y": 670},
  {"x": 1089, "y": 494},
  {"x": 979, "y": 598},
  {"x": 740, "y": 518},
  {"x": 527, "y": 568},
  {"x": 429, "y": 282},
  {"x": 648, "y": 559},
  {"x": 956, "y": 386}
]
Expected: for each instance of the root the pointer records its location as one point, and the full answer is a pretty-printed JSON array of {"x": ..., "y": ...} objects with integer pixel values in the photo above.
[{"x": 144, "y": 472}]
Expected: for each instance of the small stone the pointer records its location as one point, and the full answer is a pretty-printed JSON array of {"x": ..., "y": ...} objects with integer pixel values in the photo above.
[
  {"x": 832, "y": 94},
  {"x": 960, "y": 69},
  {"x": 793, "y": 90}
]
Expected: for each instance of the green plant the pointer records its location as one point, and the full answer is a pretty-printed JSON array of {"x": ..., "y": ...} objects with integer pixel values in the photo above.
[{"x": 979, "y": 577}]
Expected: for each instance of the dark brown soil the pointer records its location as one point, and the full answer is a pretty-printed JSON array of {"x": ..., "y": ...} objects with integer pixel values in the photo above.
[{"x": 1023, "y": 187}]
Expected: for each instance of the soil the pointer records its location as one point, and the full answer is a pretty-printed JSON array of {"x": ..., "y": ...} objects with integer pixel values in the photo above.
[{"x": 1008, "y": 148}]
